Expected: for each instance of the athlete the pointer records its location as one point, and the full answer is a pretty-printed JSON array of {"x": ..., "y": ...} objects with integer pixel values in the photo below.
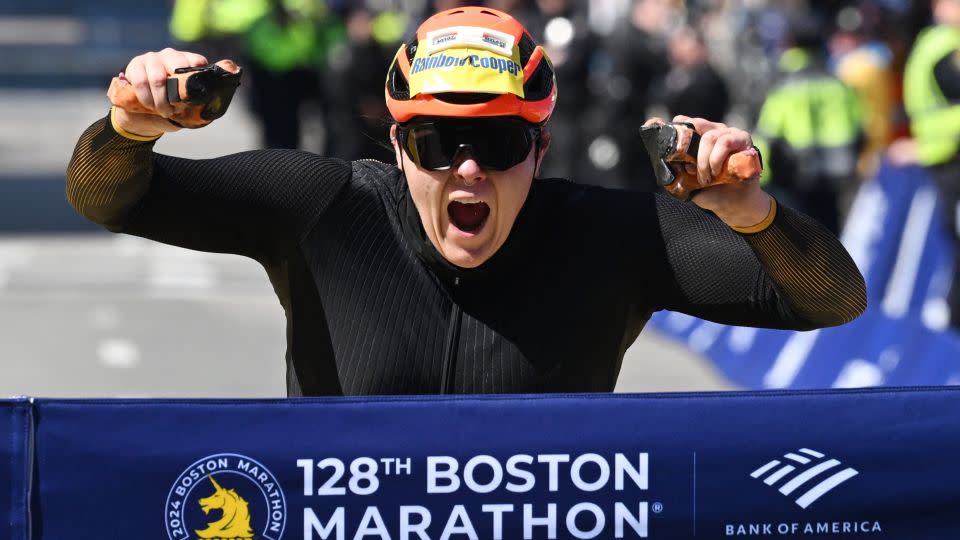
[{"x": 455, "y": 270}]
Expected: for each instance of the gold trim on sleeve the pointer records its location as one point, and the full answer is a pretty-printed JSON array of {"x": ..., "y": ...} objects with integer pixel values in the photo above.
[
  {"x": 126, "y": 134},
  {"x": 753, "y": 229}
]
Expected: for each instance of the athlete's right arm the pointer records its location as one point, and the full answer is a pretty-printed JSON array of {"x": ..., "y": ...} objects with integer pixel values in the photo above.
[{"x": 238, "y": 204}]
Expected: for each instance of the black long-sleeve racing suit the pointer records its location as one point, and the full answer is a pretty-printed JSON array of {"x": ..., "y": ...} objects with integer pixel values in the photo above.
[{"x": 372, "y": 308}]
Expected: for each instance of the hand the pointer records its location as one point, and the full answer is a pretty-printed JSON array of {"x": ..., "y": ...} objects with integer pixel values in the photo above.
[
  {"x": 148, "y": 74},
  {"x": 741, "y": 204}
]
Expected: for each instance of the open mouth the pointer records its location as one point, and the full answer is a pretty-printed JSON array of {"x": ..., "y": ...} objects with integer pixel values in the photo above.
[{"x": 468, "y": 217}]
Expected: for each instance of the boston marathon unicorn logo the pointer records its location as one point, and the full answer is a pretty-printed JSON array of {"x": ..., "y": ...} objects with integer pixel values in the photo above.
[
  {"x": 235, "y": 522},
  {"x": 226, "y": 497}
]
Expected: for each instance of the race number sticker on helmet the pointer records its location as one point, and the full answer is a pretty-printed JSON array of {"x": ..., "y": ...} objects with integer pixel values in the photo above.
[
  {"x": 466, "y": 59},
  {"x": 473, "y": 37}
]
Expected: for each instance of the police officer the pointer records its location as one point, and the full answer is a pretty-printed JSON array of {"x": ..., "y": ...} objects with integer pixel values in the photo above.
[
  {"x": 931, "y": 92},
  {"x": 283, "y": 46},
  {"x": 810, "y": 130}
]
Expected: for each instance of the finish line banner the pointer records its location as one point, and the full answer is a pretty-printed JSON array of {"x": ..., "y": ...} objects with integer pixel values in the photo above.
[
  {"x": 837, "y": 464},
  {"x": 16, "y": 430}
]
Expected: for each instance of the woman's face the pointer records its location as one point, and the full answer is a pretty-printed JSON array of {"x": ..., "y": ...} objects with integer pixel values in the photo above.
[{"x": 467, "y": 211}]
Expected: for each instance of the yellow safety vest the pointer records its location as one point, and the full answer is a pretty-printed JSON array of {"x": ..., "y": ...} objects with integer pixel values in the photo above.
[
  {"x": 934, "y": 122},
  {"x": 193, "y": 20}
]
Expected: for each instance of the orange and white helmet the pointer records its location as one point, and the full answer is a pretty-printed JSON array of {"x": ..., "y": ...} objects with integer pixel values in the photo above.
[{"x": 471, "y": 62}]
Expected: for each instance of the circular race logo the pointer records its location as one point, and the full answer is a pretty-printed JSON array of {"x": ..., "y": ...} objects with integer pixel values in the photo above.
[{"x": 225, "y": 496}]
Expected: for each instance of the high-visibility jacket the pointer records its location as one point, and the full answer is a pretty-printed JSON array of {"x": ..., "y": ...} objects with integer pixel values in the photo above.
[
  {"x": 193, "y": 20},
  {"x": 815, "y": 116},
  {"x": 934, "y": 121},
  {"x": 301, "y": 41}
]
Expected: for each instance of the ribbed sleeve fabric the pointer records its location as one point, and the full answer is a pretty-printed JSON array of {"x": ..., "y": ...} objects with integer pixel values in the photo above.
[
  {"x": 794, "y": 274},
  {"x": 246, "y": 203},
  {"x": 811, "y": 268},
  {"x": 108, "y": 174}
]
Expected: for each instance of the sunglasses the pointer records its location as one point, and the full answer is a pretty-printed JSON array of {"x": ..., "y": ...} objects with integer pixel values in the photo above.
[{"x": 496, "y": 144}]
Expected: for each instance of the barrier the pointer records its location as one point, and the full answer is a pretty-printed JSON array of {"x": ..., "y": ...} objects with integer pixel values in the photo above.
[
  {"x": 877, "y": 463},
  {"x": 15, "y": 452},
  {"x": 895, "y": 234}
]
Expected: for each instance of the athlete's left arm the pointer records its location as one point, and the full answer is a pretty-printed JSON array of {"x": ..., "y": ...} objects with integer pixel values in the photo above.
[
  {"x": 752, "y": 262},
  {"x": 792, "y": 274}
]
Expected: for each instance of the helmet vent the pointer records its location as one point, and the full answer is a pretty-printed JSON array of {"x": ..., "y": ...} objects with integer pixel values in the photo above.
[
  {"x": 526, "y": 46},
  {"x": 396, "y": 84},
  {"x": 540, "y": 84},
  {"x": 465, "y": 98}
]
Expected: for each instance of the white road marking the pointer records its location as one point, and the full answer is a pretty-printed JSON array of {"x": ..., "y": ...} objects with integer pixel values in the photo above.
[
  {"x": 896, "y": 299},
  {"x": 858, "y": 373},
  {"x": 741, "y": 339},
  {"x": 791, "y": 359},
  {"x": 936, "y": 314},
  {"x": 704, "y": 336},
  {"x": 118, "y": 353},
  {"x": 679, "y": 322}
]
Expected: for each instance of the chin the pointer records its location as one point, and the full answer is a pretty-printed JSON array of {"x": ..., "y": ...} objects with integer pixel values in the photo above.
[{"x": 467, "y": 258}]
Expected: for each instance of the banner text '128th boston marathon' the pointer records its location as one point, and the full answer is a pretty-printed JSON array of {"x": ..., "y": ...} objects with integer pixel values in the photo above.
[
  {"x": 846, "y": 465},
  {"x": 447, "y": 478}
]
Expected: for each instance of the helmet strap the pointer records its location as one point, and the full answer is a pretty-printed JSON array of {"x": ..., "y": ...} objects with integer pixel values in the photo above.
[{"x": 536, "y": 156}]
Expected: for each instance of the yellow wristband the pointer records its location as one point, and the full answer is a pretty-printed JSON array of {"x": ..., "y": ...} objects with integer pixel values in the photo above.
[
  {"x": 763, "y": 224},
  {"x": 126, "y": 134}
]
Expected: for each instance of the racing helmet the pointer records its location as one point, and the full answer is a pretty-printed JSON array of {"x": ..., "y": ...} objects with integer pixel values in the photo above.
[{"x": 471, "y": 62}]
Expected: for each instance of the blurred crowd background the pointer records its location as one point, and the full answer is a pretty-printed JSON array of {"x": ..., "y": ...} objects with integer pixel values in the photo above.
[
  {"x": 818, "y": 82},
  {"x": 618, "y": 62},
  {"x": 315, "y": 69}
]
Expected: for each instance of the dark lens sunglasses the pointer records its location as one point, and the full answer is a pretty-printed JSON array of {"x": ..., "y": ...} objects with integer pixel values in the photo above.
[{"x": 495, "y": 143}]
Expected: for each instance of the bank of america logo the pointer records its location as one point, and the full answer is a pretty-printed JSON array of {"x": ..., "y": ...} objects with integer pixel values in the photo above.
[{"x": 802, "y": 473}]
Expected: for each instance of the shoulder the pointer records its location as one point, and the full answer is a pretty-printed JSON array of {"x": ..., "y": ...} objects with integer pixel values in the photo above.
[
  {"x": 560, "y": 191},
  {"x": 594, "y": 205},
  {"x": 292, "y": 170},
  {"x": 562, "y": 188},
  {"x": 377, "y": 174}
]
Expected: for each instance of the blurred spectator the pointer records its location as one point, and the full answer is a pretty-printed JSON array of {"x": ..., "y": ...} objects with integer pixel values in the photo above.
[
  {"x": 443, "y": 5},
  {"x": 282, "y": 46},
  {"x": 609, "y": 81},
  {"x": 932, "y": 99},
  {"x": 865, "y": 64},
  {"x": 637, "y": 52},
  {"x": 810, "y": 130},
  {"x": 355, "y": 84},
  {"x": 692, "y": 86},
  {"x": 524, "y": 11},
  {"x": 733, "y": 34},
  {"x": 563, "y": 30},
  {"x": 215, "y": 28}
]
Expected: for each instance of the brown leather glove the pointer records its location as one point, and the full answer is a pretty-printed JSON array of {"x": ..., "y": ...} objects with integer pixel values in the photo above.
[
  {"x": 198, "y": 95},
  {"x": 673, "y": 151}
]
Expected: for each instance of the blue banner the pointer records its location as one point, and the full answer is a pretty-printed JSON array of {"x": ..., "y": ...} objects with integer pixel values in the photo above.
[
  {"x": 895, "y": 233},
  {"x": 840, "y": 464},
  {"x": 15, "y": 452}
]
